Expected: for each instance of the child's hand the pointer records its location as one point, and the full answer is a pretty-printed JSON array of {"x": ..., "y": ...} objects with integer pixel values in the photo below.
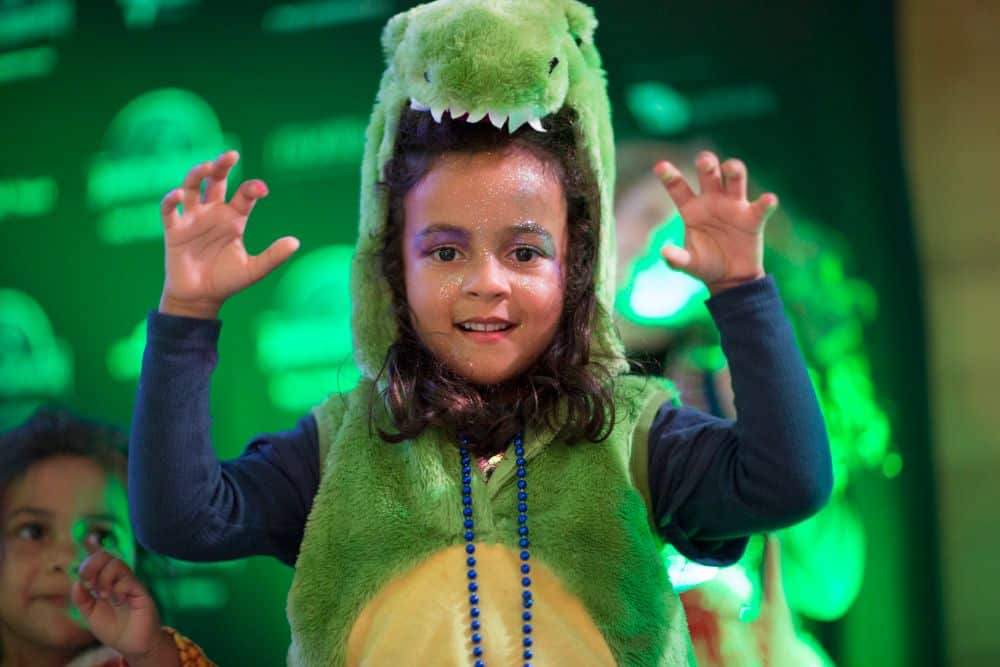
[
  {"x": 120, "y": 612},
  {"x": 206, "y": 261},
  {"x": 723, "y": 232}
]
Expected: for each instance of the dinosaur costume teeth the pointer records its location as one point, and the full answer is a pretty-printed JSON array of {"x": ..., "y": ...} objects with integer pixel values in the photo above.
[{"x": 513, "y": 119}]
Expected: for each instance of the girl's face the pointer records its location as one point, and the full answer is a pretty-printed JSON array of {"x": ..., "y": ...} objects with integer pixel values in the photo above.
[
  {"x": 50, "y": 514},
  {"x": 484, "y": 250}
]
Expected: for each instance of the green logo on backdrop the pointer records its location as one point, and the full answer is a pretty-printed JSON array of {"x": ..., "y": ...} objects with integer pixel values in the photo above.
[
  {"x": 304, "y": 344},
  {"x": 34, "y": 364},
  {"x": 27, "y": 197},
  {"x": 148, "y": 148},
  {"x": 32, "y": 21}
]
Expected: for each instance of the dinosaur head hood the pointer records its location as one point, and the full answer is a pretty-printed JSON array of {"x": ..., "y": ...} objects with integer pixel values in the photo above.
[{"x": 499, "y": 61}]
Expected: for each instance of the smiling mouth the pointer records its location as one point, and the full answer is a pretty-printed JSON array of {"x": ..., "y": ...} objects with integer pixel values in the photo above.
[{"x": 485, "y": 327}]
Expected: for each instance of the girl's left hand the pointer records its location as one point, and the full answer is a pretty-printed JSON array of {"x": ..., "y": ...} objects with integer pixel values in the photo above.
[
  {"x": 723, "y": 231},
  {"x": 118, "y": 609}
]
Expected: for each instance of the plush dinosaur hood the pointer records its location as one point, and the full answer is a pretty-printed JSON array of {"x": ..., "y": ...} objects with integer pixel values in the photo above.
[{"x": 507, "y": 62}]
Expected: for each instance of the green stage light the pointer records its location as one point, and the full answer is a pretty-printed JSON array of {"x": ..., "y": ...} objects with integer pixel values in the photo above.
[{"x": 655, "y": 294}]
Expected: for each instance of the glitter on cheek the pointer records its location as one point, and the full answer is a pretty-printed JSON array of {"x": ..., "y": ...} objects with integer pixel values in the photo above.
[{"x": 450, "y": 286}]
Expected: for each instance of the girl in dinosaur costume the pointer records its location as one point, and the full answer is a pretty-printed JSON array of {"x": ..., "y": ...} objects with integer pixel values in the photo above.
[{"x": 497, "y": 488}]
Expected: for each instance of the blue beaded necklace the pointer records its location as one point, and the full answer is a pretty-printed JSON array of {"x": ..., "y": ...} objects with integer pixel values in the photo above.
[{"x": 470, "y": 548}]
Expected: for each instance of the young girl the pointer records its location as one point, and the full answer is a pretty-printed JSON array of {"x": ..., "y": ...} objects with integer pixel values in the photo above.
[
  {"x": 61, "y": 484},
  {"x": 496, "y": 489}
]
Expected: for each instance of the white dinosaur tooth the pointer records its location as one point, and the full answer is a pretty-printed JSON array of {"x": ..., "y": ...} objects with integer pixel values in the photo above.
[
  {"x": 456, "y": 112},
  {"x": 437, "y": 112},
  {"x": 418, "y": 106},
  {"x": 536, "y": 124},
  {"x": 518, "y": 117},
  {"x": 497, "y": 118},
  {"x": 475, "y": 116}
]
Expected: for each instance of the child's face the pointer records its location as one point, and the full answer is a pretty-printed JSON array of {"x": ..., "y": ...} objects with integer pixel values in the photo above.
[
  {"x": 484, "y": 246},
  {"x": 56, "y": 508}
]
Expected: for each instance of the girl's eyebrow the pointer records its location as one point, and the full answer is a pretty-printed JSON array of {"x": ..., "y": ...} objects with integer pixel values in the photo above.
[
  {"x": 441, "y": 228},
  {"x": 34, "y": 511},
  {"x": 530, "y": 228}
]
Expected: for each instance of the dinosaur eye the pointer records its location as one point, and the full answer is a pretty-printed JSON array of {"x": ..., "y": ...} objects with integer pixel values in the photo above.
[
  {"x": 426, "y": 77},
  {"x": 552, "y": 64},
  {"x": 577, "y": 40}
]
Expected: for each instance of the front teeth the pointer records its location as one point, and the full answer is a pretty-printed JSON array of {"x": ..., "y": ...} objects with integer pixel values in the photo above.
[
  {"x": 477, "y": 326},
  {"x": 514, "y": 119}
]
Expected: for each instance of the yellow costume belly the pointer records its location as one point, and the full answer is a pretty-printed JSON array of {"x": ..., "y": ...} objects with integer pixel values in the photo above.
[{"x": 422, "y": 617}]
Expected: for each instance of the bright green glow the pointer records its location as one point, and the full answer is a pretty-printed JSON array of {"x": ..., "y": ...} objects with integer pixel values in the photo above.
[
  {"x": 655, "y": 294},
  {"x": 658, "y": 109},
  {"x": 33, "y": 363},
  {"x": 27, "y": 63},
  {"x": 824, "y": 561},
  {"x": 892, "y": 465},
  {"x": 128, "y": 224},
  {"x": 298, "y": 17},
  {"x": 120, "y": 541},
  {"x": 27, "y": 197},
  {"x": 124, "y": 359},
  {"x": 38, "y": 20},
  {"x": 738, "y": 581},
  {"x": 684, "y": 573},
  {"x": 143, "y": 13},
  {"x": 205, "y": 593},
  {"x": 305, "y": 146},
  {"x": 151, "y": 143},
  {"x": 297, "y": 390},
  {"x": 305, "y": 345}
]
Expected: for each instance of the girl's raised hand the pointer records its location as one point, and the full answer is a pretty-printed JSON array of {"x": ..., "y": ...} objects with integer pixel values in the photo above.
[
  {"x": 120, "y": 612},
  {"x": 723, "y": 231},
  {"x": 206, "y": 261}
]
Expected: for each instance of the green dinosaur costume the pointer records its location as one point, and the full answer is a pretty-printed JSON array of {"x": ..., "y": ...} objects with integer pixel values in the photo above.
[{"x": 380, "y": 577}]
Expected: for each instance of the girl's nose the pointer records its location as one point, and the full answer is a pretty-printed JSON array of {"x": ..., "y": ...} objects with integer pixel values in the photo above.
[
  {"x": 486, "y": 279},
  {"x": 60, "y": 556}
]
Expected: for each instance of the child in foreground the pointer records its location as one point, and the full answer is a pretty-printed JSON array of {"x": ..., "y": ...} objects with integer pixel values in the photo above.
[
  {"x": 68, "y": 595},
  {"x": 497, "y": 488}
]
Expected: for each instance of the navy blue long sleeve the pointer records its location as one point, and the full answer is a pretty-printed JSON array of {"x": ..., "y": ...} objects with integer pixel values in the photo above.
[
  {"x": 712, "y": 481},
  {"x": 715, "y": 481},
  {"x": 183, "y": 501}
]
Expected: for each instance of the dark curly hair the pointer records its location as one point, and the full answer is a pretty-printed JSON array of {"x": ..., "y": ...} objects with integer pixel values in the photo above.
[{"x": 568, "y": 389}]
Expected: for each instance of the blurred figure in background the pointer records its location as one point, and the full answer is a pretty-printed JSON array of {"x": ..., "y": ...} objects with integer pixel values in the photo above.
[{"x": 741, "y": 616}]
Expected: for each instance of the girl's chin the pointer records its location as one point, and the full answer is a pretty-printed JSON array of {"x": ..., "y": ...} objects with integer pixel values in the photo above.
[
  {"x": 66, "y": 630},
  {"x": 484, "y": 376}
]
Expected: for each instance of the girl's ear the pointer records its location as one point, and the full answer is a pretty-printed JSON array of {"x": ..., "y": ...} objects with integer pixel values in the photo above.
[
  {"x": 582, "y": 21},
  {"x": 393, "y": 34}
]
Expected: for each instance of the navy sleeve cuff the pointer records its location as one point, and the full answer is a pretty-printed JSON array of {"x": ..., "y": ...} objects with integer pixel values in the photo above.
[
  {"x": 178, "y": 331},
  {"x": 757, "y": 295}
]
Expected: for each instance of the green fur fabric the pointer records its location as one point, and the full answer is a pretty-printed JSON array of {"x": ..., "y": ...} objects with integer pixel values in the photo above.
[
  {"x": 588, "y": 524},
  {"x": 482, "y": 56}
]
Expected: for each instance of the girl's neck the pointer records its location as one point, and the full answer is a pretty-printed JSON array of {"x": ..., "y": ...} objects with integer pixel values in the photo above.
[{"x": 18, "y": 652}]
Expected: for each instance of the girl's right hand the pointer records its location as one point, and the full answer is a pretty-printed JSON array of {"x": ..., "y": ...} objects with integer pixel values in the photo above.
[{"x": 206, "y": 261}]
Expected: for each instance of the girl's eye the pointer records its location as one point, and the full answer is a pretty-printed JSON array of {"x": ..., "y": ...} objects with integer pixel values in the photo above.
[
  {"x": 99, "y": 537},
  {"x": 444, "y": 254},
  {"x": 526, "y": 254},
  {"x": 30, "y": 532}
]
